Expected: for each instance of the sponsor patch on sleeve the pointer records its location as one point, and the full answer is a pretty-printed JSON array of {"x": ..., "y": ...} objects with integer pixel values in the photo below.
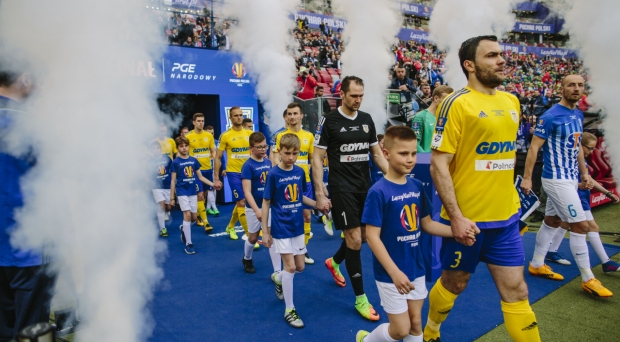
[{"x": 437, "y": 139}]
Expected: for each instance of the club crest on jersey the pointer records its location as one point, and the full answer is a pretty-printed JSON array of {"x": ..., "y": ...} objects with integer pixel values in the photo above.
[
  {"x": 291, "y": 193},
  {"x": 365, "y": 128},
  {"x": 514, "y": 115},
  {"x": 263, "y": 177},
  {"x": 188, "y": 171},
  {"x": 409, "y": 218},
  {"x": 161, "y": 170}
]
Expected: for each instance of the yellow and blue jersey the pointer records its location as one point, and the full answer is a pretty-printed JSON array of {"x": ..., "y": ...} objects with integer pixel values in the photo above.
[
  {"x": 200, "y": 145},
  {"x": 168, "y": 146},
  {"x": 237, "y": 147},
  {"x": 480, "y": 130},
  {"x": 307, "y": 148}
]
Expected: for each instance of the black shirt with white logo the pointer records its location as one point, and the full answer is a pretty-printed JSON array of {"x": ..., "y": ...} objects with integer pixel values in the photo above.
[{"x": 347, "y": 141}]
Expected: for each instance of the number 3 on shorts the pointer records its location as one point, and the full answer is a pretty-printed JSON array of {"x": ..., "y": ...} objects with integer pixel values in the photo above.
[
  {"x": 235, "y": 193},
  {"x": 457, "y": 261},
  {"x": 571, "y": 211}
]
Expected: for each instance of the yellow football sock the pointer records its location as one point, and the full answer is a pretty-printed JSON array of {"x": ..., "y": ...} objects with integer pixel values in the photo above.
[
  {"x": 441, "y": 302},
  {"x": 233, "y": 219},
  {"x": 520, "y": 321},
  {"x": 306, "y": 232},
  {"x": 244, "y": 222},
  {"x": 202, "y": 212}
]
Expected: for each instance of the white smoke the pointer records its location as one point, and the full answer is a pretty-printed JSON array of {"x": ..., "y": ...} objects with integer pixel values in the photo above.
[
  {"x": 89, "y": 122},
  {"x": 454, "y": 21},
  {"x": 262, "y": 37},
  {"x": 370, "y": 33},
  {"x": 594, "y": 29}
]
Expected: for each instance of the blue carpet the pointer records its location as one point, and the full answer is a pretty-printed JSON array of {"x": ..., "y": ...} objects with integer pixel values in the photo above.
[{"x": 209, "y": 297}]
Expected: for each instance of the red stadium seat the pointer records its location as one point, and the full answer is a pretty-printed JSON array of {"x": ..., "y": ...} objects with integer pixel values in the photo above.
[{"x": 600, "y": 164}]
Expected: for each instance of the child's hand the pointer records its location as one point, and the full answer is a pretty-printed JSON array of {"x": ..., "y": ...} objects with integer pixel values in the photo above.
[
  {"x": 472, "y": 232},
  {"x": 259, "y": 215},
  {"x": 267, "y": 241},
  {"x": 172, "y": 202},
  {"x": 401, "y": 281}
]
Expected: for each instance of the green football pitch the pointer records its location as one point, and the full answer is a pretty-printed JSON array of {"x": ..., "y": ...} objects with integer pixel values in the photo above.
[{"x": 569, "y": 313}]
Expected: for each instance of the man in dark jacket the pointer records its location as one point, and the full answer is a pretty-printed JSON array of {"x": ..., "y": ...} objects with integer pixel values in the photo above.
[{"x": 402, "y": 83}]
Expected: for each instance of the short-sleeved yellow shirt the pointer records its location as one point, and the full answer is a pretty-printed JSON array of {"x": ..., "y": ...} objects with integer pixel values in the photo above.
[
  {"x": 237, "y": 147},
  {"x": 307, "y": 148},
  {"x": 200, "y": 146},
  {"x": 168, "y": 146},
  {"x": 480, "y": 130}
]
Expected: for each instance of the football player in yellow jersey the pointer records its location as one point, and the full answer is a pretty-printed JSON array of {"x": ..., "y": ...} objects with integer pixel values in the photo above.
[
  {"x": 168, "y": 146},
  {"x": 211, "y": 194},
  {"x": 472, "y": 165},
  {"x": 294, "y": 116},
  {"x": 236, "y": 143},
  {"x": 202, "y": 147},
  {"x": 247, "y": 124}
]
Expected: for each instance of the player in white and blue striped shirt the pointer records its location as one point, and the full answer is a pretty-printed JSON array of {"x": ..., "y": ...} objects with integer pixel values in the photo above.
[{"x": 559, "y": 133}]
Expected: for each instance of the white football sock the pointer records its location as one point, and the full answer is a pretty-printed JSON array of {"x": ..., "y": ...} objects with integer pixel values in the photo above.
[
  {"x": 187, "y": 231},
  {"x": 558, "y": 237},
  {"x": 211, "y": 199},
  {"x": 276, "y": 261},
  {"x": 597, "y": 245},
  {"x": 579, "y": 248},
  {"x": 287, "y": 288},
  {"x": 248, "y": 248},
  {"x": 543, "y": 242},
  {"x": 161, "y": 218},
  {"x": 380, "y": 334},
  {"x": 411, "y": 338}
]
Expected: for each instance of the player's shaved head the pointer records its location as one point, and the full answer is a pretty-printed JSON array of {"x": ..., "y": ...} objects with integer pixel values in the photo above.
[
  {"x": 393, "y": 133},
  {"x": 235, "y": 108},
  {"x": 572, "y": 78}
]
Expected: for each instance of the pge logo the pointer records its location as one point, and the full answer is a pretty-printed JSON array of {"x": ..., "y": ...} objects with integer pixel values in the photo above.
[
  {"x": 189, "y": 68},
  {"x": 263, "y": 177},
  {"x": 291, "y": 193},
  {"x": 189, "y": 171},
  {"x": 238, "y": 69},
  {"x": 409, "y": 218},
  {"x": 573, "y": 141}
]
